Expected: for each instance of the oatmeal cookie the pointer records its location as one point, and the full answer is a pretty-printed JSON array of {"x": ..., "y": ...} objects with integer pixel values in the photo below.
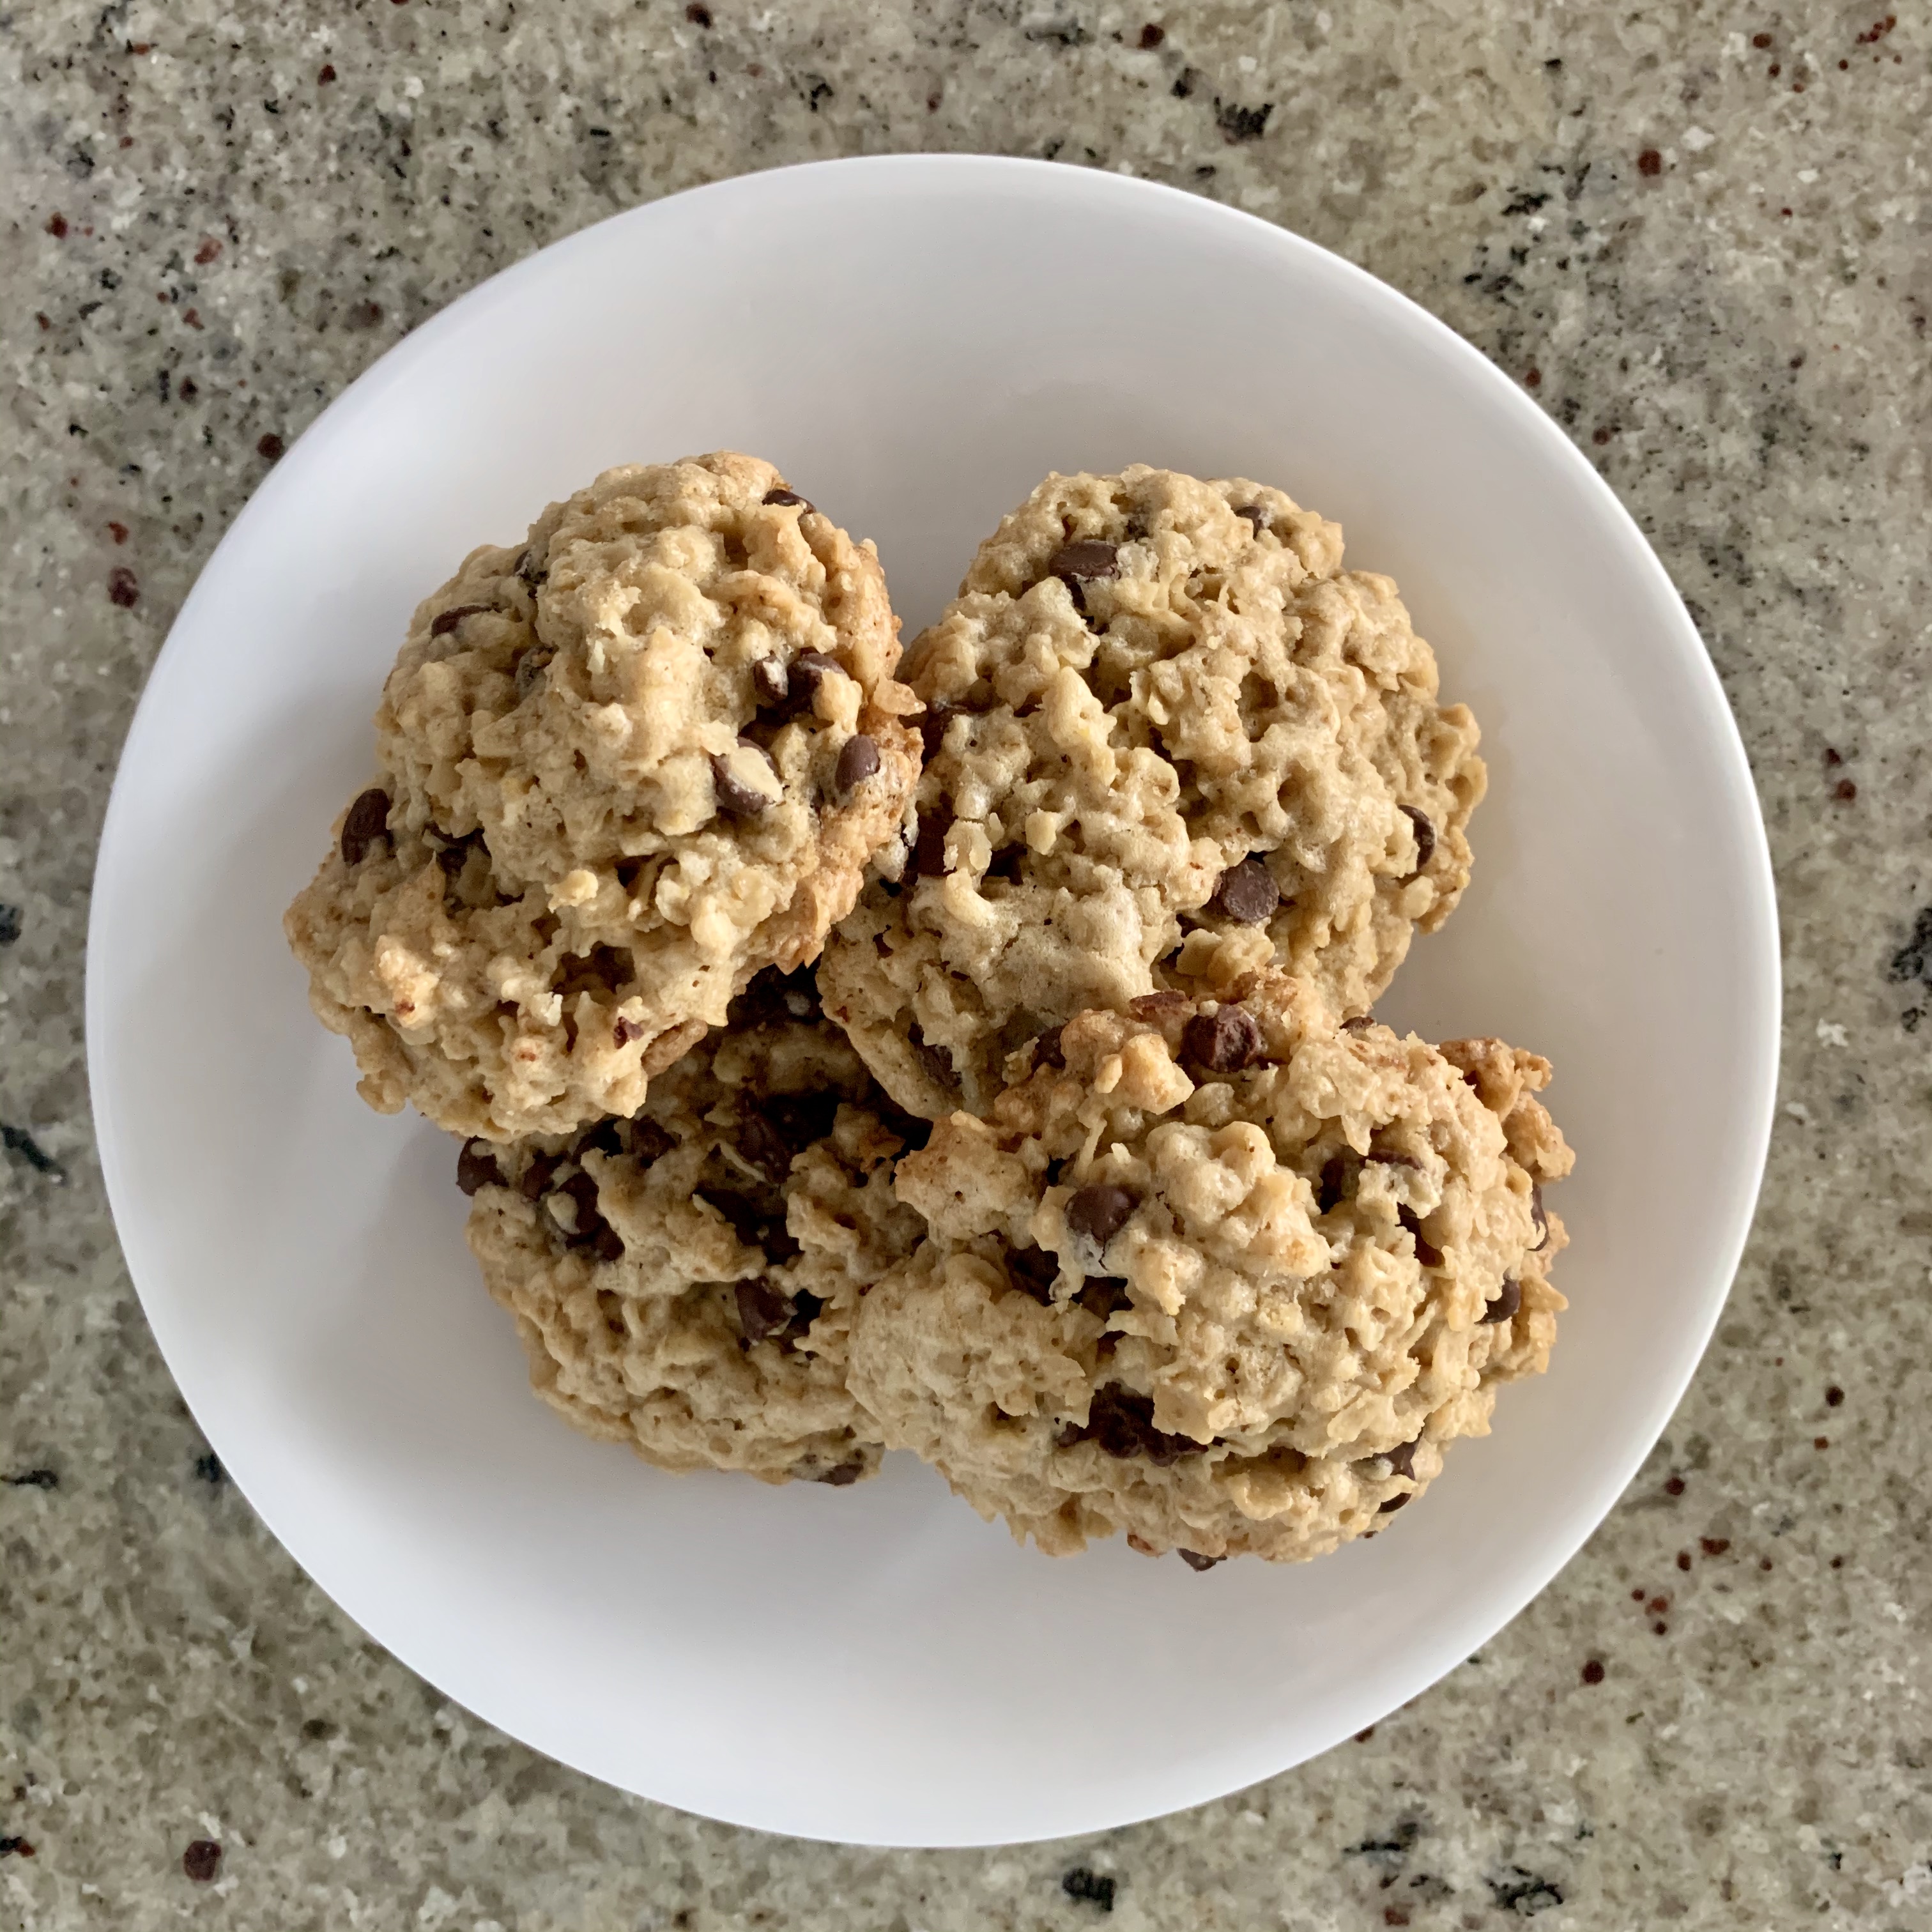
[
  {"x": 624, "y": 766},
  {"x": 1159, "y": 708},
  {"x": 1220, "y": 1274},
  {"x": 685, "y": 1281}
]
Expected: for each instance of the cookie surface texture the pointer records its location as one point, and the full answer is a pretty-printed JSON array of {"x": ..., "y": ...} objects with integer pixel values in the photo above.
[
  {"x": 685, "y": 1282},
  {"x": 1221, "y": 1275},
  {"x": 1158, "y": 710},
  {"x": 622, "y": 767}
]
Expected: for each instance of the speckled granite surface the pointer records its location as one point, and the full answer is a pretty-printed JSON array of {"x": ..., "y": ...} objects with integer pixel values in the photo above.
[{"x": 1697, "y": 232}]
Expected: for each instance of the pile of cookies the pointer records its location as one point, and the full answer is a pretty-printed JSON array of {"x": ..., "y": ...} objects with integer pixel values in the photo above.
[{"x": 970, "y": 1053}]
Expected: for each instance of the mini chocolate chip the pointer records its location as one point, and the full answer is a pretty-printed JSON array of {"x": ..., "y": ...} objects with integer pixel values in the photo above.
[
  {"x": 1359, "y": 1023},
  {"x": 607, "y": 1244},
  {"x": 1429, "y": 1257},
  {"x": 842, "y": 1476},
  {"x": 1047, "y": 1050},
  {"x": 1033, "y": 1271},
  {"x": 590, "y": 1227},
  {"x": 623, "y": 1030},
  {"x": 1395, "y": 1503},
  {"x": 1334, "y": 1187},
  {"x": 929, "y": 853},
  {"x": 733, "y": 794},
  {"x": 1122, "y": 1423},
  {"x": 202, "y": 1860},
  {"x": 1402, "y": 1459},
  {"x": 1537, "y": 1214},
  {"x": 770, "y": 683},
  {"x": 1223, "y": 1042},
  {"x": 1196, "y": 1562},
  {"x": 932, "y": 722},
  {"x": 1156, "y": 1006},
  {"x": 762, "y": 1310},
  {"x": 441, "y": 626},
  {"x": 476, "y": 1167},
  {"x": 1098, "y": 1212},
  {"x": 857, "y": 762},
  {"x": 368, "y": 820},
  {"x": 763, "y": 1147},
  {"x": 1247, "y": 893},
  {"x": 536, "y": 1176},
  {"x": 649, "y": 1142},
  {"x": 1508, "y": 1300},
  {"x": 1083, "y": 560},
  {"x": 809, "y": 670},
  {"x": 531, "y": 662},
  {"x": 1257, "y": 514},
  {"x": 1102, "y": 1295},
  {"x": 1425, "y": 839},
  {"x": 606, "y": 1137},
  {"x": 780, "y": 497}
]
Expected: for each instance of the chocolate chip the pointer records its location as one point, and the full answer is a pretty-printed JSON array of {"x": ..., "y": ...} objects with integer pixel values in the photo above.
[
  {"x": 1359, "y": 1023},
  {"x": 770, "y": 683},
  {"x": 441, "y": 626},
  {"x": 1194, "y": 1561},
  {"x": 536, "y": 1176},
  {"x": 1047, "y": 1050},
  {"x": 1334, "y": 1187},
  {"x": 780, "y": 497},
  {"x": 1429, "y": 1257},
  {"x": 1247, "y": 893},
  {"x": 1098, "y": 1212},
  {"x": 1082, "y": 561},
  {"x": 1257, "y": 514},
  {"x": 368, "y": 820},
  {"x": 762, "y": 1310},
  {"x": 842, "y": 1476},
  {"x": 1122, "y": 1423},
  {"x": 1537, "y": 1214},
  {"x": 649, "y": 1142},
  {"x": 1402, "y": 1459},
  {"x": 932, "y": 722},
  {"x": 809, "y": 670},
  {"x": 1395, "y": 1503},
  {"x": 857, "y": 762},
  {"x": 202, "y": 1860},
  {"x": 1103, "y": 1295},
  {"x": 763, "y": 1147},
  {"x": 929, "y": 853},
  {"x": 1157, "y": 1007},
  {"x": 733, "y": 794},
  {"x": 624, "y": 1031},
  {"x": 531, "y": 662},
  {"x": 1032, "y": 1271},
  {"x": 606, "y": 1137},
  {"x": 476, "y": 1167},
  {"x": 1508, "y": 1299},
  {"x": 1425, "y": 839},
  {"x": 1223, "y": 1042},
  {"x": 588, "y": 1229}
]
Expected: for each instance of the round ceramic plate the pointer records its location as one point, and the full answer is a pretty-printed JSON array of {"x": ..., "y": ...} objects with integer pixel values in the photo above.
[{"x": 915, "y": 342}]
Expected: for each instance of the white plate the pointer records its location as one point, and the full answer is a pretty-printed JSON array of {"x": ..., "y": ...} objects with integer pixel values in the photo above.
[{"x": 915, "y": 342}]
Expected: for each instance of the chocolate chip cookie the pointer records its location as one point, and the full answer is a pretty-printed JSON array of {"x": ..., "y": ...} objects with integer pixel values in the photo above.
[
  {"x": 685, "y": 1281},
  {"x": 1160, "y": 717},
  {"x": 1219, "y": 1273},
  {"x": 624, "y": 766}
]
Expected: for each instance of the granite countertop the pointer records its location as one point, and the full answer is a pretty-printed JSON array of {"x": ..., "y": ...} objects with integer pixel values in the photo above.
[{"x": 1696, "y": 234}]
